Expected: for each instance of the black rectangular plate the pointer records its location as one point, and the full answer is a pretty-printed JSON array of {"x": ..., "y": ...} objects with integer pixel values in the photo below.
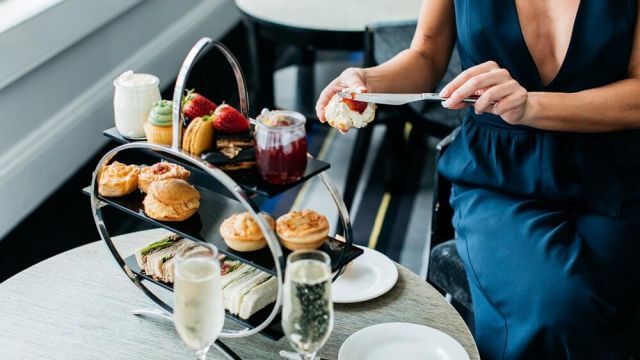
[
  {"x": 273, "y": 331},
  {"x": 248, "y": 179},
  {"x": 204, "y": 226}
]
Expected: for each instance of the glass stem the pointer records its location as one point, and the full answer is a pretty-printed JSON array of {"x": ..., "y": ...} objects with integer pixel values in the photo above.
[
  {"x": 309, "y": 356},
  {"x": 202, "y": 353}
]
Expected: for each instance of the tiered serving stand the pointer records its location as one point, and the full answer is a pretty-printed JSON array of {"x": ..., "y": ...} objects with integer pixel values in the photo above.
[{"x": 222, "y": 194}]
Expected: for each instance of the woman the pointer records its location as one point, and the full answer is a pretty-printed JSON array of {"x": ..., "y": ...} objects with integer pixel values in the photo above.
[{"x": 545, "y": 168}]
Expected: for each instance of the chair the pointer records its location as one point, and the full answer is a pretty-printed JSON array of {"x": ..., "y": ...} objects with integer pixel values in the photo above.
[
  {"x": 446, "y": 271},
  {"x": 382, "y": 42}
]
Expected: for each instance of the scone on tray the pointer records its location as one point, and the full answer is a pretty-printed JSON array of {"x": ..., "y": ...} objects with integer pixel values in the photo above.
[
  {"x": 160, "y": 171},
  {"x": 118, "y": 179},
  {"x": 242, "y": 233},
  {"x": 171, "y": 200},
  {"x": 302, "y": 230},
  {"x": 344, "y": 114}
]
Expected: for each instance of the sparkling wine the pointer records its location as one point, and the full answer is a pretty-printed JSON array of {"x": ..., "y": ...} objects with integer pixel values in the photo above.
[
  {"x": 198, "y": 308},
  {"x": 307, "y": 314}
]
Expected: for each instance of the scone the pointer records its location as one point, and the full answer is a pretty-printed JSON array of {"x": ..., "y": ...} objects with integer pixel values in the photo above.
[
  {"x": 199, "y": 136},
  {"x": 160, "y": 171},
  {"x": 171, "y": 200},
  {"x": 158, "y": 127},
  {"x": 302, "y": 230},
  {"x": 343, "y": 114},
  {"x": 118, "y": 179},
  {"x": 242, "y": 233}
]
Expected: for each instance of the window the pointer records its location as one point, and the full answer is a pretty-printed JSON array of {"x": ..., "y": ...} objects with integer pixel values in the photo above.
[
  {"x": 33, "y": 31},
  {"x": 15, "y": 12}
]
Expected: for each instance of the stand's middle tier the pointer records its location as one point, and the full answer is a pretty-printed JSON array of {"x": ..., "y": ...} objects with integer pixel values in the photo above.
[{"x": 204, "y": 226}]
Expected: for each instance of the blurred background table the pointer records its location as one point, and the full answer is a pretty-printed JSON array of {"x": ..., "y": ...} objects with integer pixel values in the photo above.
[
  {"x": 306, "y": 26},
  {"x": 77, "y": 305}
]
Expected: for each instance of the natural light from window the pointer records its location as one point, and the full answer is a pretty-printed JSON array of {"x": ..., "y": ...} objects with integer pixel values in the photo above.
[{"x": 14, "y": 12}]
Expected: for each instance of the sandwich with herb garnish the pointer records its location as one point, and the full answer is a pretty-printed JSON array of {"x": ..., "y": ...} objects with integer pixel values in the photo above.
[{"x": 246, "y": 290}]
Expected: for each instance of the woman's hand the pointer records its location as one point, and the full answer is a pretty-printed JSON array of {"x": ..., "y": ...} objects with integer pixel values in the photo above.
[
  {"x": 498, "y": 92},
  {"x": 353, "y": 78}
]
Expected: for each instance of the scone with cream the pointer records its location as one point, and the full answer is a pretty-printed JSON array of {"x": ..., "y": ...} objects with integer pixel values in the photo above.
[
  {"x": 160, "y": 171},
  {"x": 343, "y": 114},
  {"x": 302, "y": 230},
  {"x": 171, "y": 200},
  {"x": 118, "y": 179},
  {"x": 242, "y": 233}
]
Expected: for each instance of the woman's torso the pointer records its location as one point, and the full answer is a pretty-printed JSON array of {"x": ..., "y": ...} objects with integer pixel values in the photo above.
[{"x": 591, "y": 170}]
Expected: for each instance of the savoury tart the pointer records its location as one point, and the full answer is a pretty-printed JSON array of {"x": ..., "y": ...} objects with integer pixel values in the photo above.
[
  {"x": 242, "y": 233},
  {"x": 302, "y": 230}
]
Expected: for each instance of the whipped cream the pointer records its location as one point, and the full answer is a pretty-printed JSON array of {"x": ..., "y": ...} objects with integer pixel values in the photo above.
[
  {"x": 130, "y": 79},
  {"x": 340, "y": 116}
]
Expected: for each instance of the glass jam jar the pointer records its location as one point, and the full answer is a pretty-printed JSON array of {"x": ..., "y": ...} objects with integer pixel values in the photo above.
[{"x": 281, "y": 146}]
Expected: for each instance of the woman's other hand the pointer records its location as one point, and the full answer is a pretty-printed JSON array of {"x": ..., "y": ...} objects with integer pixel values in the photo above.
[
  {"x": 353, "y": 78},
  {"x": 498, "y": 93}
]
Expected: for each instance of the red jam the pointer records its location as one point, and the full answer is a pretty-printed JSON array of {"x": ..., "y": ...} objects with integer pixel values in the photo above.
[
  {"x": 354, "y": 105},
  {"x": 160, "y": 168},
  {"x": 284, "y": 163}
]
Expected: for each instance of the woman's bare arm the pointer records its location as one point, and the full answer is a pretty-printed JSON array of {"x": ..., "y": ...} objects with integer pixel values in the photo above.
[
  {"x": 416, "y": 69},
  {"x": 420, "y": 67}
]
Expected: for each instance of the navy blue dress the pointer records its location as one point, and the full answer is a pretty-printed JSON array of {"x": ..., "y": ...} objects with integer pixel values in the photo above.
[{"x": 548, "y": 222}]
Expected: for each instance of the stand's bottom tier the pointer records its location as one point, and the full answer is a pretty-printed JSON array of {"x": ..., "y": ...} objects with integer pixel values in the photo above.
[{"x": 273, "y": 331}]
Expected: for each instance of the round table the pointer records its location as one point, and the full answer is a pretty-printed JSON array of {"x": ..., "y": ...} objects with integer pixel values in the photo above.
[
  {"x": 330, "y": 15},
  {"x": 76, "y": 305}
]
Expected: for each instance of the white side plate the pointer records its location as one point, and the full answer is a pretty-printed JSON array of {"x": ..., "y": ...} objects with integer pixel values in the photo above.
[
  {"x": 401, "y": 341},
  {"x": 368, "y": 276}
]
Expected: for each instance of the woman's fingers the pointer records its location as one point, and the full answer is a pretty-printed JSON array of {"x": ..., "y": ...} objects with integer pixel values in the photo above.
[
  {"x": 466, "y": 75},
  {"x": 513, "y": 108},
  {"x": 498, "y": 93},
  {"x": 477, "y": 84},
  {"x": 325, "y": 97},
  {"x": 491, "y": 97},
  {"x": 350, "y": 78},
  {"x": 457, "y": 106}
]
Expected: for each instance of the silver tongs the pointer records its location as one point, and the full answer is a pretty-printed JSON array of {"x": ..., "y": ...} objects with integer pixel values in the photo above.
[{"x": 397, "y": 99}]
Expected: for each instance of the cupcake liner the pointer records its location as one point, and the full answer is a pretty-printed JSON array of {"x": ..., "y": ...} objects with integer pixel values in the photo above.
[{"x": 158, "y": 134}]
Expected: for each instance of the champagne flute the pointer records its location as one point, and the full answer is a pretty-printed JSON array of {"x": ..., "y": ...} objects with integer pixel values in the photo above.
[
  {"x": 198, "y": 305},
  {"x": 307, "y": 309}
]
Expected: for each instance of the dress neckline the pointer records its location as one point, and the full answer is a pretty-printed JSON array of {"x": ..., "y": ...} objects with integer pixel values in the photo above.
[{"x": 570, "y": 48}]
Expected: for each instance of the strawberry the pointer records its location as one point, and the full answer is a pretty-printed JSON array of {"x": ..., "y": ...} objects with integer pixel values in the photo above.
[
  {"x": 354, "y": 105},
  {"x": 195, "y": 105},
  {"x": 228, "y": 120}
]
